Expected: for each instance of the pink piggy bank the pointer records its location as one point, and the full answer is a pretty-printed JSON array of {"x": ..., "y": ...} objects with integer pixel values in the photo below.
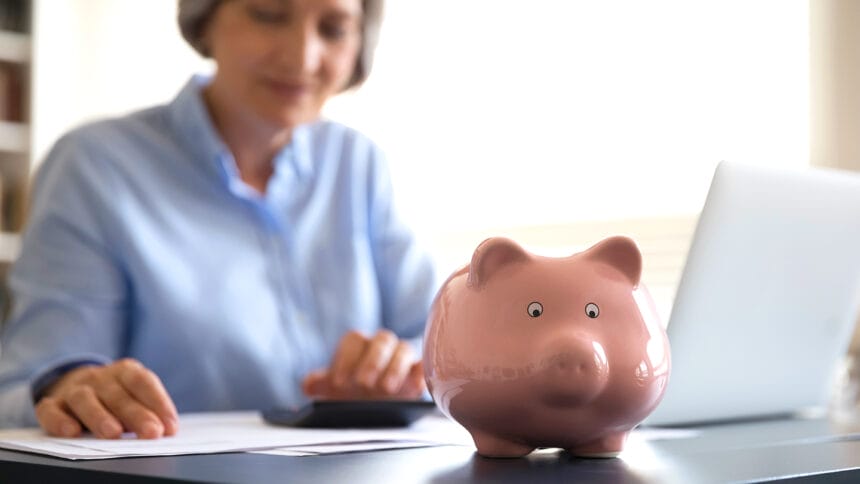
[{"x": 527, "y": 351}]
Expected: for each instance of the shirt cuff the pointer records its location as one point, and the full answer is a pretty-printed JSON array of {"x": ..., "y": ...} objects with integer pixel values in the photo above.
[{"x": 49, "y": 377}]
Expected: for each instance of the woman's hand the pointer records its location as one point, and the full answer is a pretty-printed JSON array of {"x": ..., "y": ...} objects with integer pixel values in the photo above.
[
  {"x": 363, "y": 368},
  {"x": 108, "y": 400}
]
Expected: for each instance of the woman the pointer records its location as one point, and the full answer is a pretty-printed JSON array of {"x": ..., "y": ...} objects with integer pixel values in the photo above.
[{"x": 214, "y": 253}]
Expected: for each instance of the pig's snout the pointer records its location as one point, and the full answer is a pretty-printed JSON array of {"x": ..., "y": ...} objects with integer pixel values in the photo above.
[
  {"x": 576, "y": 371},
  {"x": 568, "y": 364},
  {"x": 585, "y": 359}
]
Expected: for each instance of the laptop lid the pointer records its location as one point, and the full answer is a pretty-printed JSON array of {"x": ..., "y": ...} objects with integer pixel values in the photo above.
[{"x": 768, "y": 297}]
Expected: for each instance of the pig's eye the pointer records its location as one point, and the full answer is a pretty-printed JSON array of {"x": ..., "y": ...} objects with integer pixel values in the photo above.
[
  {"x": 591, "y": 310},
  {"x": 535, "y": 309}
]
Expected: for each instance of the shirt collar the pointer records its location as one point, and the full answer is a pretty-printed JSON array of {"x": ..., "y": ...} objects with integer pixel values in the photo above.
[
  {"x": 196, "y": 131},
  {"x": 192, "y": 121},
  {"x": 297, "y": 155}
]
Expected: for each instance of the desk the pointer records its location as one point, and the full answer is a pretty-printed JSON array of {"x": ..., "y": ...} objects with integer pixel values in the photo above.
[{"x": 801, "y": 450}]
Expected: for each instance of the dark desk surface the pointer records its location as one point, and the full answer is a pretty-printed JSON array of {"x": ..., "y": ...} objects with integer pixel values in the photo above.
[{"x": 800, "y": 450}]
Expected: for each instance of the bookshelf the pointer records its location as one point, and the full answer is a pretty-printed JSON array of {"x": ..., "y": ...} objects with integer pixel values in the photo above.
[
  {"x": 14, "y": 46},
  {"x": 15, "y": 140}
]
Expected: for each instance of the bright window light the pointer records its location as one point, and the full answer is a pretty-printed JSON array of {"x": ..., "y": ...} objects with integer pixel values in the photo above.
[{"x": 497, "y": 113}]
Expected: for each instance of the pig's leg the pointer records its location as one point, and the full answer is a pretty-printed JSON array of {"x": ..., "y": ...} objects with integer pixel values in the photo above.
[
  {"x": 605, "y": 447},
  {"x": 492, "y": 446}
]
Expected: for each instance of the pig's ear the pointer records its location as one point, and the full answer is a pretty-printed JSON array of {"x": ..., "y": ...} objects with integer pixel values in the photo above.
[
  {"x": 622, "y": 254},
  {"x": 492, "y": 255}
]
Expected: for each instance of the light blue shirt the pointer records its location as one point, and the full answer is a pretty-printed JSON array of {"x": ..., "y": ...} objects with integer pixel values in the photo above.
[{"x": 144, "y": 242}]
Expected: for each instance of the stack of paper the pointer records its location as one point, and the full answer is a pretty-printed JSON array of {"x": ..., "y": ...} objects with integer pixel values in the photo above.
[{"x": 207, "y": 433}]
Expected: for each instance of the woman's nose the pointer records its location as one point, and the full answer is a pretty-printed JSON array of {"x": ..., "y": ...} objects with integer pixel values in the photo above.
[{"x": 301, "y": 50}]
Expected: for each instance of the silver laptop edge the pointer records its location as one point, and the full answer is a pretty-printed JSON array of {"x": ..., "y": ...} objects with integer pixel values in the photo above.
[{"x": 768, "y": 297}]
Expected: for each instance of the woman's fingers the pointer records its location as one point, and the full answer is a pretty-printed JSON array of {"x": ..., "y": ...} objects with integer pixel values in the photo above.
[
  {"x": 133, "y": 415},
  {"x": 144, "y": 386},
  {"x": 379, "y": 367},
  {"x": 414, "y": 384},
  {"x": 83, "y": 402},
  {"x": 317, "y": 383},
  {"x": 375, "y": 359},
  {"x": 346, "y": 359},
  {"x": 55, "y": 420},
  {"x": 124, "y": 395},
  {"x": 398, "y": 368}
]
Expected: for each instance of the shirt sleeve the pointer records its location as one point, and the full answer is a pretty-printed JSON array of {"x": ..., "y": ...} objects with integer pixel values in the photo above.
[
  {"x": 406, "y": 271},
  {"x": 69, "y": 293}
]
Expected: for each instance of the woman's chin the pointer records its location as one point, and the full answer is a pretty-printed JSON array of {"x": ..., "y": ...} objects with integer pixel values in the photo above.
[{"x": 287, "y": 120}]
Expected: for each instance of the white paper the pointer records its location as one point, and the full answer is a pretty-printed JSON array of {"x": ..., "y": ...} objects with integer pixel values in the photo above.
[
  {"x": 323, "y": 449},
  {"x": 206, "y": 433},
  {"x": 655, "y": 433}
]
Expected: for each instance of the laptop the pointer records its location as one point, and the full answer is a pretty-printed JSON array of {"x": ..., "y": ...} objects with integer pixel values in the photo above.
[{"x": 768, "y": 298}]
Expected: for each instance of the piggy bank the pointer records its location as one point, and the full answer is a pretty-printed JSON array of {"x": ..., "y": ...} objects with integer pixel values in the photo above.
[{"x": 527, "y": 351}]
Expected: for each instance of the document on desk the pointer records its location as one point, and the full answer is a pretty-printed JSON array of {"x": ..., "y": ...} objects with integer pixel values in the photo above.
[
  {"x": 430, "y": 431},
  {"x": 207, "y": 433}
]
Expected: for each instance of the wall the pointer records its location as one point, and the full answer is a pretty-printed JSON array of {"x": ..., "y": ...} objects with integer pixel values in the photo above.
[
  {"x": 835, "y": 83},
  {"x": 834, "y": 134},
  {"x": 94, "y": 58},
  {"x": 547, "y": 113}
]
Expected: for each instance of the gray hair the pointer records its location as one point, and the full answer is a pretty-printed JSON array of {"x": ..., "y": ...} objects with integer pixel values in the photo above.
[{"x": 194, "y": 17}]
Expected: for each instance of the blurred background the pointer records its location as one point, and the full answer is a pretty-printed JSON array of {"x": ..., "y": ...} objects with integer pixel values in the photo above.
[{"x": 554, "y": 122}]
